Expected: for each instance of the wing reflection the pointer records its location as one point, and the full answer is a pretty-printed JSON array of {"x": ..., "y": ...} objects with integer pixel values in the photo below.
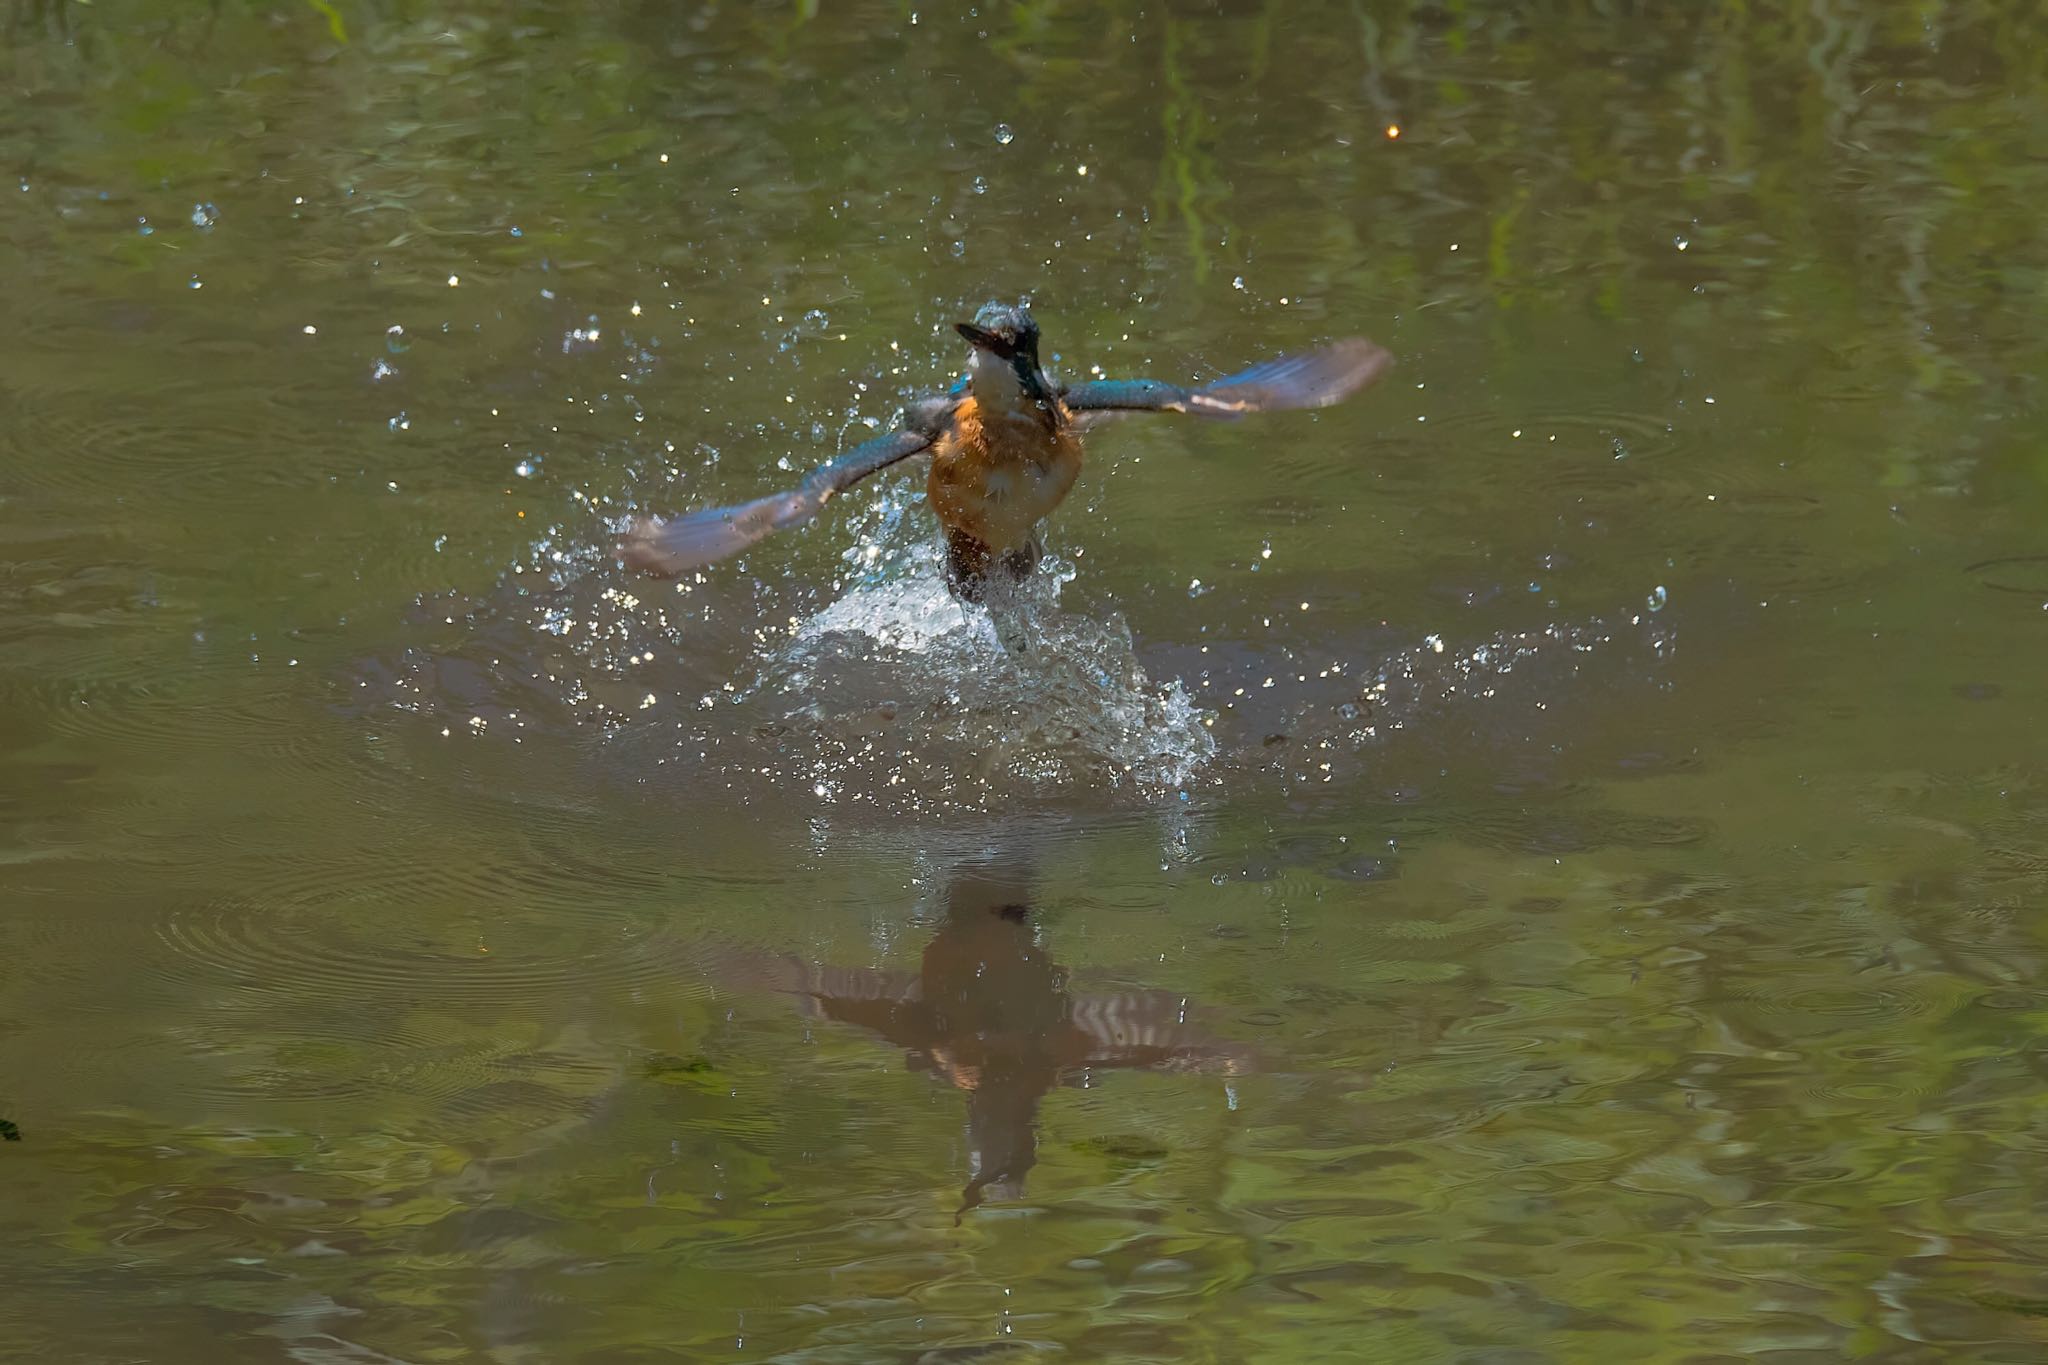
[{"x": 988, "y": 1012}]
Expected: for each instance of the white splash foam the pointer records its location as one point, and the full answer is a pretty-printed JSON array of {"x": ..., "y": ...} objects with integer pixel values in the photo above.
[{"x": 1049, "y": 697}]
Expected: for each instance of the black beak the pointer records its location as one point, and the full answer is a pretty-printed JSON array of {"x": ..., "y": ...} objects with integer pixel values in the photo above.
[{"x": 985, "y": 341}]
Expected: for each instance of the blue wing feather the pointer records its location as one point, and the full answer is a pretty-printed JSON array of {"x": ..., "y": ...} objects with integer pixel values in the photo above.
[
  {"x": 709, "y": 534},
  {"x": 1314, "y": 379}
]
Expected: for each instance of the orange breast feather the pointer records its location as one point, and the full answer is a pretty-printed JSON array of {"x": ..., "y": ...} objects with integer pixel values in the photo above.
[{"x": 994, "y": 481}]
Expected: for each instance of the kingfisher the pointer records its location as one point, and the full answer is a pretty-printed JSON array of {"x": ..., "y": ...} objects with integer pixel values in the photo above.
[{"x": 1005, "y": 446}]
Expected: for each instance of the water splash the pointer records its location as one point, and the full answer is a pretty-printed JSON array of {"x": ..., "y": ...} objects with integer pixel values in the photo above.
[
  {"x": 880, "y": 689},
  {"x": 1023, "y": 693}
]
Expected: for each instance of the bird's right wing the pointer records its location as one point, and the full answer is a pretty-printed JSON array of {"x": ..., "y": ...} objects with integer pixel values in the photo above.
[{"x": 695, "y": 539}]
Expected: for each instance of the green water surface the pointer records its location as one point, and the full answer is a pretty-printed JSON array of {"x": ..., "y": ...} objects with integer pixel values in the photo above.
[{"x": 1545, "y": 862}]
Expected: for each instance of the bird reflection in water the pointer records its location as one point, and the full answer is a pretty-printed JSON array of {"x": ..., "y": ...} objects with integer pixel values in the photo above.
[{"x": 988, "y": 1012}]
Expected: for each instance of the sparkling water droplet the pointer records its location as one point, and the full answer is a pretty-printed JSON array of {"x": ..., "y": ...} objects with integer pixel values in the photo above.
[
  {"x": 1681, "y": 241},
  {"x": 958, "y": 249},
  {"x": 1657, "y": 598},
  {"x": 980, "y": 185},
  {"x": 1620, "y": 449},
  {"x": 1237, "y": 283},
  {"x": 524, "y": 469},
  {"x": 1005, "y": 134},
  {"x": 204, "y": 215}
]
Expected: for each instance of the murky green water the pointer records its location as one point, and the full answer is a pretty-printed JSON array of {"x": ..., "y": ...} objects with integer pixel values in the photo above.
[{"x": 1544, "y": 862}]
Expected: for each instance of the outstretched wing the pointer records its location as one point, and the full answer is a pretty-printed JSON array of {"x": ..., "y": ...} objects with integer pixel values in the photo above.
[
  {"x": 695, "y": 539},
  {"x": 1314, "y": 379}
]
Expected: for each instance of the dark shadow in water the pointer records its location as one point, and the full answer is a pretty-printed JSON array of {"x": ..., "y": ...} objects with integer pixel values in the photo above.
[{"x": 990, "y": 1013}]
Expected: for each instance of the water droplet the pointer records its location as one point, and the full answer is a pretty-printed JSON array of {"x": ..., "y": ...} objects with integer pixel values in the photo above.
[
  {"x": 980, "y": 185},
  {"x": 525, "y": 468},
  {"x": 144, "y": 229},
  {"x": 1620, "y": 449},
  {"x": 958, "y": 249},
  {"x": 1657, "y": 598},
  {"x": 1237, "y": 283},
  {"x": 1681, "y": 241},
  {"x": 1005, "y": 134},
  {"x": 204, "y": 215},
  {"x": 516, "y": 232}
]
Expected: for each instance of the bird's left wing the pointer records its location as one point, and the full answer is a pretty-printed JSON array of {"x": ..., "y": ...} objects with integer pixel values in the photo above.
[
  {"x": 1313, "y": 379},
  {"x": 695, "y": 539}
]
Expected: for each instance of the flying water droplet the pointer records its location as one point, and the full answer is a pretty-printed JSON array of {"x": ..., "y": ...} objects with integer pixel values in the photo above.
[
  {"x": 204, "y": 215},
  {"x": 1657, "y": 598},
  {"x": 980, "y": 185},
  {"x": 1005, "y": 134}
]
